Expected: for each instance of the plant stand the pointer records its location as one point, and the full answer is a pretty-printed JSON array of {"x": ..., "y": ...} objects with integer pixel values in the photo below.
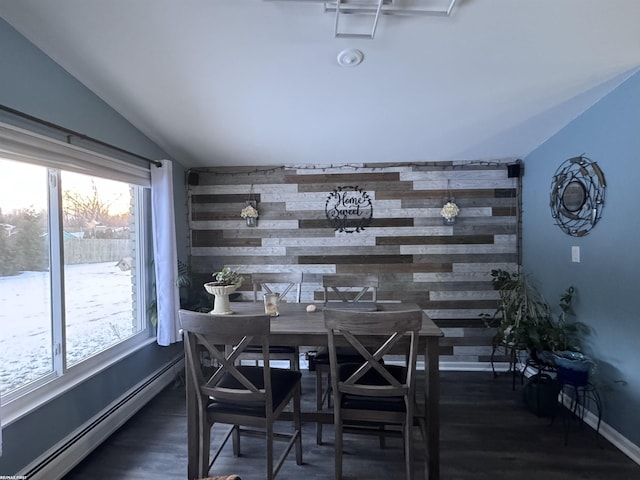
[
  {"x": 539, "y": 366},
  {"x": 221, "y": 300},
  {"x": 510, "y": 351},
  {"x": 578, "y": 398}
]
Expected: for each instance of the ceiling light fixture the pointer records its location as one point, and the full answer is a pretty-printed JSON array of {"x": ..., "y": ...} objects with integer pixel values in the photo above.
[{"x": 376, "y": 8}]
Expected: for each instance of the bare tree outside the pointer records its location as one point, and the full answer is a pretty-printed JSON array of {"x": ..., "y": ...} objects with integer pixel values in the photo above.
[{"x": 93, "y": 214}]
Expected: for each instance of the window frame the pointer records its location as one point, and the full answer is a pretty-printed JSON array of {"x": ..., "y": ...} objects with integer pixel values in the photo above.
[{"x": 24, "y": 146}]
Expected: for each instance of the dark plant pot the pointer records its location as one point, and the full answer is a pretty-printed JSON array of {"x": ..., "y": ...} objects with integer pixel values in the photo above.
[
  {"x": 543, "y": 357},
  {"x": 577, "y": 378},
  {"x": 540, "y": 395},
  {"x": 573, "y": 368}
]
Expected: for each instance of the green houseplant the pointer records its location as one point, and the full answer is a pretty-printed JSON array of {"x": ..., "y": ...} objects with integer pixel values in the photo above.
[
  {"x": 227, "y": 276},
  {"x": 520, "y": 307},
  {"x": 524, "y": 320},
  {"x": 183, "y": 282}
]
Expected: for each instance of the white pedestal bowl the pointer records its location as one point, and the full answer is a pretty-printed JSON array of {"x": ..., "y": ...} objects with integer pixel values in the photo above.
[{"x": 221, "y": 300}]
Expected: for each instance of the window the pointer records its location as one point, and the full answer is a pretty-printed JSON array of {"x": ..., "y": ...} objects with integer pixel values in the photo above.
[
  {"x": 72, "y": 276},
  {"x": 26, "y": 342}
]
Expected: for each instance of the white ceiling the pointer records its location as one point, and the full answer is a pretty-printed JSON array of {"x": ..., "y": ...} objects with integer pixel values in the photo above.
[{"x": 253, "y": 82}]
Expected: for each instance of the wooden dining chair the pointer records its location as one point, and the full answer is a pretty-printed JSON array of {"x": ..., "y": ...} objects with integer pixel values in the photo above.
[
  {"x": 370, "y": 395},
  {"x": 289, "y": 286},
  {"x": 278, "y": 282},
  {"x": 249, "y": 398},
  {"x": 346, "y": 290},
  {"x": 350, "y": 288}
]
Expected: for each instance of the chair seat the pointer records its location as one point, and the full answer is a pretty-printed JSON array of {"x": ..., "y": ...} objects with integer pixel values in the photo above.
[
  {"x": 385, "y": 404},
  {"x": 282, "y": 383},
  {"x": 272, "y": 349}
]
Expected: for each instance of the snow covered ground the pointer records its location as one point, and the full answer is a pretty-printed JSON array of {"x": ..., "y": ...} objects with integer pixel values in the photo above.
[{"x": 99, "y": 314}]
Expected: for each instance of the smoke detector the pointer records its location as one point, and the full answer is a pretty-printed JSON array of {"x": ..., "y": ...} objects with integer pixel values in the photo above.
[{"x": 350, "y": 57}]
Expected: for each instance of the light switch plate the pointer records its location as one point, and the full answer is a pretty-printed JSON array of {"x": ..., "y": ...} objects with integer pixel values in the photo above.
[{"x": 575, "y": 254}]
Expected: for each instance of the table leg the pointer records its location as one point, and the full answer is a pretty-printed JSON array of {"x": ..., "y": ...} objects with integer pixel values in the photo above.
[{"x": 432, "y": 406}]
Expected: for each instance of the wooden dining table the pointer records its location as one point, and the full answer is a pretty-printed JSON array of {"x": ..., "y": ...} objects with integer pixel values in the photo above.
[{"x": 296, "y": 327}]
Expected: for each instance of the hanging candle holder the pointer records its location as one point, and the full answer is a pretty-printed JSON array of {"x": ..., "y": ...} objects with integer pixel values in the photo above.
[
  {"x": 450, "y": 209},
  {"x": 250, "y": 210},
  {"x": 449, "y": 212}
]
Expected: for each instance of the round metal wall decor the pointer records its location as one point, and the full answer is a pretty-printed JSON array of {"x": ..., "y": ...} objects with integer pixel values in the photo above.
[
  {"x": 348, "y": 209},
  {"x": 577, "y": 196}
]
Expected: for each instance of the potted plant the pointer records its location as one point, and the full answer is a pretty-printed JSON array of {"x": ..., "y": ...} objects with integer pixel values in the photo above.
[
  {"x": 572, "y": 368},
  {"x": 555, "y": 334},
  {"x": 524, "y": 320},
  {"x": 183, "y": 282},
  {"x": 226, "y": 282},
  {"x": 521, "y": 307}
]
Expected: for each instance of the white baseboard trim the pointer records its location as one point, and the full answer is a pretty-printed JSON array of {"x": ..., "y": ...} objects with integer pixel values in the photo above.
[
  {"x": 66, "y": 454},
  {"x": 473, "y": 366},
  {"x": 618, "y": 440}
]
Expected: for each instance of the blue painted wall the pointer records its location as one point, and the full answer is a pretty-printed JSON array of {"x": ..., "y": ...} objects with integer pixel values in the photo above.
[
  {"x": 607, "y": 279},
  {"x": 32, "y": 83}
]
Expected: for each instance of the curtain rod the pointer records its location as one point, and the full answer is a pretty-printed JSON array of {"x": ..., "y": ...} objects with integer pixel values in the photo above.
[{"x": 70, "y": 132}]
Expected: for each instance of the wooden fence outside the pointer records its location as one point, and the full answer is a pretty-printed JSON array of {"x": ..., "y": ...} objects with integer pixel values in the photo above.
[{"x": 96, "y": 250}]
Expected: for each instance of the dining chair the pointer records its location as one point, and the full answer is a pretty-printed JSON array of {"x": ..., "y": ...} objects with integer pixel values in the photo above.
[
  {"x": 370, "y": 395},
  {"x": 284, "y": 283},
  {"x": 342, "y": 290},
  {"x": 249, "y": 398},
  {"x": 278, "y": 282},
  {"x": 350, "y": 288}
]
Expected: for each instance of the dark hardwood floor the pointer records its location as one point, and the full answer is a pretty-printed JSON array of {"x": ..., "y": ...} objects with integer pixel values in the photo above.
[{"x": 487, "y": 433}]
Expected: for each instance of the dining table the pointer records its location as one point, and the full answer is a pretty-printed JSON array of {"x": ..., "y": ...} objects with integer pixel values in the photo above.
[{"x": 297, "y": 326}]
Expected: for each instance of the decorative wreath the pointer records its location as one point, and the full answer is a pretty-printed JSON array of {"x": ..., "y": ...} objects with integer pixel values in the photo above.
[{"x": 577, "y": 196}]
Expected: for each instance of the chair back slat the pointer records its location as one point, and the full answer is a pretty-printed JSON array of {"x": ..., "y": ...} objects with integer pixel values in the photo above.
[
  {"x": 350, "y": 287},
  {"x": 277, "y": 282},
  {"x": 372, "y": 361}
]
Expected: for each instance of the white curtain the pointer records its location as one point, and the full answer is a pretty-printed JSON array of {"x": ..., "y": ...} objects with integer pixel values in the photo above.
[{"x": 165, "y": 252}]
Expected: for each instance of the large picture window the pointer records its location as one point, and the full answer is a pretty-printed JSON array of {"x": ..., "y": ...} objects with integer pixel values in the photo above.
[{"x": 72, "y": 275}]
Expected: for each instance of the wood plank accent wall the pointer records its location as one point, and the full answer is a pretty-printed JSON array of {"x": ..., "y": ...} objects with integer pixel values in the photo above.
[{"x": 444, "y": 269}]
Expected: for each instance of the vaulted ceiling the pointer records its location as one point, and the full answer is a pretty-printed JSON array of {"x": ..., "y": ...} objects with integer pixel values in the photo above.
[{"x": 255, "y": 82}]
